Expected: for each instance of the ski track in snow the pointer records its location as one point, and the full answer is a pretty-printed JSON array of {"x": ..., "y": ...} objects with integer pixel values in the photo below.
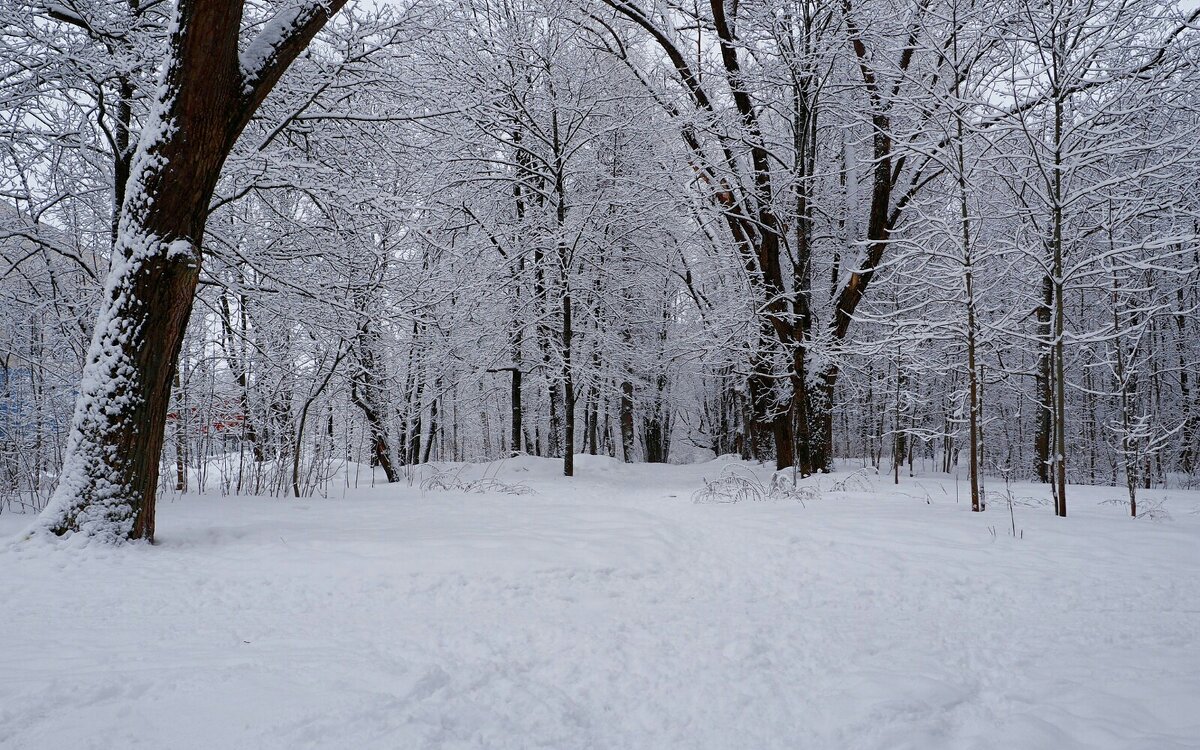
[{"x": 610, "y": 613}]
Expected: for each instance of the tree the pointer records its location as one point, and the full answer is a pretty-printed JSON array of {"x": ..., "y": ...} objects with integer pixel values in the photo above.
[
  {"x": 783, "y": 238},
  {"x": 206, "y": 95},
  {"x": 1085, "y": 70}
]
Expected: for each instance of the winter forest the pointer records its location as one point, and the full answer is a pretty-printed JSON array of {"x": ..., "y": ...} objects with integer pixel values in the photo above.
[{"x": 506, "y": 275}]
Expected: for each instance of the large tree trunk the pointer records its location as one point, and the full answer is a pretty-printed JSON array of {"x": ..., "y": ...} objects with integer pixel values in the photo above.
[{"x": 206, "y": 97}]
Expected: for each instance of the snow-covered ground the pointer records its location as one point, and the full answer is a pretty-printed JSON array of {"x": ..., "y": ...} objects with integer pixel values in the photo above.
[{"x": 610, "y": 611}]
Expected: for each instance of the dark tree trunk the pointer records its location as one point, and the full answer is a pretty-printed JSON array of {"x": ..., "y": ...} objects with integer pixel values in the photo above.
[
  {"x": 592, "y": 420},
  {"x": 413, "y": 427},
  {"x": 763, "y": 408},
  {"x": 515, "y": 423},
  {"x": 1045, "y": 392},
  {"x": 655, "y": 436},
  {"x": 568, "y": 391},
  {"x": 627, "y": 438},
  {"x": 1187, "y": 459},
  {"x": 367, "y": 393},
  {"x": 298, "y": 445},
  {"x": 180, "y": 442},
  {"x": 781, "y": 429},
  {"x": 899, "y": 444},
  {"x": 110, "y": 472},
  {"x": 822, "y": 417},
  {"x": 801, "y": 444},
  {"x": 525, "y": 176},
  {"x": 235, "y": 352},
  {"x": 434, "y": 427},
  {"x": 656, "y": 425},
  {"x": 122, "y": 154}
]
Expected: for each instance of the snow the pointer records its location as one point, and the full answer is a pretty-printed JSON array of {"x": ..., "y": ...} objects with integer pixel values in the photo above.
[
  {"x": 262, "y": 49},
  {"x": 610, "y": 611}
]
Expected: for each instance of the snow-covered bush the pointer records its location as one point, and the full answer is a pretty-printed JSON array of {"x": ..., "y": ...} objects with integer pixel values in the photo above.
[
  {"x": 736, "y": 484},
  {"x": 453, "y": 481}
]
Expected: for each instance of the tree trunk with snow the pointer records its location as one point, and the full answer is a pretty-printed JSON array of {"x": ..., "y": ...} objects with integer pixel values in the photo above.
[{"x": 206, "y": 95}]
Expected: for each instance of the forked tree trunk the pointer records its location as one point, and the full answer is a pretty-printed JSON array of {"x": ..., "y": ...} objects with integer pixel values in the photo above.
[{"x": 206, "y": 97}]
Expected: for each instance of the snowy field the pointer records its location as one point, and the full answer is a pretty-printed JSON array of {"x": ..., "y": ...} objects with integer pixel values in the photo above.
[{"x": 610, "y": 611}]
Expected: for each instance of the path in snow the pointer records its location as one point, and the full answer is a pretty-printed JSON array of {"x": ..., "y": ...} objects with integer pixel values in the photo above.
[{"x": 609, "y": 611}]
